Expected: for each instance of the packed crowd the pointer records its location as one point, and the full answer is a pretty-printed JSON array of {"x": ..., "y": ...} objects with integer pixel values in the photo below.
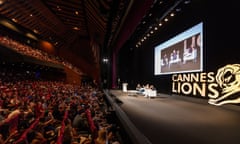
[
  {"x": 34, "y": 52},
  {"x": 53, "y": 112}
]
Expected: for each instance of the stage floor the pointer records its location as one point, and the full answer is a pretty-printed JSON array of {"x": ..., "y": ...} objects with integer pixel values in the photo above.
[{"x": 172, "y": 119}]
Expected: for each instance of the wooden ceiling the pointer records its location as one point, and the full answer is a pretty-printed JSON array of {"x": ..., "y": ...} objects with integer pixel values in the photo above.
[
  {"x": 82, "y": 31},
  {"x": 79, "y": 29}
]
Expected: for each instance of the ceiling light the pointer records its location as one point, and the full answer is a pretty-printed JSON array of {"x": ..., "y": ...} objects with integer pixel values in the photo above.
[
  {"x": 105, "y": 60},
  {"x": 36, "y": 31},
  {"x": 187, "y": 1},
  {"x": 58, "y": 8},
  {"x": 178, "y": 9},
  {"x": 31, "y": 36},
  {"x": 15, "y": 20},
  {"x": 76, "y": 28}
]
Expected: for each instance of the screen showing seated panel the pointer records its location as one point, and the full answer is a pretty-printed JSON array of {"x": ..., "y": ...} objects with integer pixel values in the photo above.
[{"x": 180, "y": 54}]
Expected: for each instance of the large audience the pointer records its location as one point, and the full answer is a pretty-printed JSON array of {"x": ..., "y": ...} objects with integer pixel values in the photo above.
[
  {"x": 27, "y": 50},
  {"x": 37, "y": 111}
]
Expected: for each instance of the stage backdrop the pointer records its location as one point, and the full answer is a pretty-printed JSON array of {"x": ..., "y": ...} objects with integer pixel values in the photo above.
[{"x": 219, "y": 42}]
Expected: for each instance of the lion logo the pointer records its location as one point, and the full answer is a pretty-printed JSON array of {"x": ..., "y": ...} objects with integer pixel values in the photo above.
[{"x": 228, "y": 79}]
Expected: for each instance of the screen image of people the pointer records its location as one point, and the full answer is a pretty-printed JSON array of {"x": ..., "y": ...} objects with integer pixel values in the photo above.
[{"x": 180, "y": 54}]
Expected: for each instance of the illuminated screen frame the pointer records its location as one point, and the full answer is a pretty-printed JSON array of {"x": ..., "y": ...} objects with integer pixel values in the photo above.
[{"x": 180, "y": 54}]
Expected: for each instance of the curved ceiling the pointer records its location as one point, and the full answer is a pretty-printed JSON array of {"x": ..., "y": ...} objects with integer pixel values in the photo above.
[
  {"x": 81, "y": 30},
  {"x": 77, "y": 28}
]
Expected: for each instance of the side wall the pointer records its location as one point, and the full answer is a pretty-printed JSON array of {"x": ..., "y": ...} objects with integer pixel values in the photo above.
[{"x": 72, "y": 77}]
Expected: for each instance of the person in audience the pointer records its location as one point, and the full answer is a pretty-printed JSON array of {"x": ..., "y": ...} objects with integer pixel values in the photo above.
[
  {"x": 36, "y": 137},
  {"x": 102, "y": 136},
  {"x": 84, "y": 140},
  {"x": 1, "y": 139},
  {"x": 111, "y": 134},
  {"x": 5, "y": 141},
  {"x": 39, "y": 108},
  {"x": 58, "y": 112},
  {"x": 68, "y": 132}
]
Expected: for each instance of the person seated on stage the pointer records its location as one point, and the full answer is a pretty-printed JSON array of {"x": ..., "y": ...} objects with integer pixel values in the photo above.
[
  {"x": 146, "y": 90},
  {"x": 139, "y": 89},
  {"x": 152, "y": 87},
  {"x": 150, "y": 91}
]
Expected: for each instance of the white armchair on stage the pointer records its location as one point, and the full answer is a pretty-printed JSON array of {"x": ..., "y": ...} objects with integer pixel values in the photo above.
[{"x": 150, "y": 93}]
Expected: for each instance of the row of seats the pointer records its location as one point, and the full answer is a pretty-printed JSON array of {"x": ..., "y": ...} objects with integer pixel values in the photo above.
[{"x": 36, "y": 111}]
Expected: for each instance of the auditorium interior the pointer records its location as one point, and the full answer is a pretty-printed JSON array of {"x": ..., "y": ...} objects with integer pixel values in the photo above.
[{"x": 69, "y": 71}]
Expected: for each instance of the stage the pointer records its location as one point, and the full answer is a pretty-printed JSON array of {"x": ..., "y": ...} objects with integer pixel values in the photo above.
[{"x": 171, "y": 119}]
